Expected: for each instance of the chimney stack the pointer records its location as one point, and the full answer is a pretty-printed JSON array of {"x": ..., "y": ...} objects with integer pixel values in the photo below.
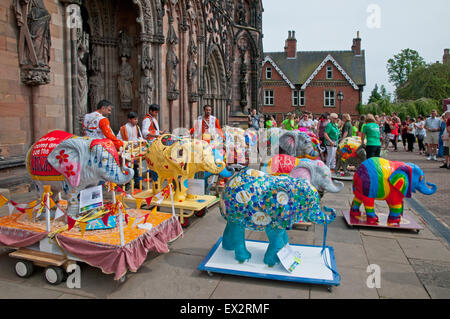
[
  {"x": 446, "y": 57},
  {"x": 291, "y": 45},
  {"x": 356, "y": 47}
]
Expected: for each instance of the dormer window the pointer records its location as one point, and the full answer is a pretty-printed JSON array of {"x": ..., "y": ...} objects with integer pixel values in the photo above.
[
  {"x": 329, "y": 72},
  {"x": 268, "y": 73}
]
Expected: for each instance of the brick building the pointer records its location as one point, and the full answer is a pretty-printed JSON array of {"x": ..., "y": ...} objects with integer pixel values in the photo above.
[
  {"x": 179, "y": 54},
  {"x": 311, "y": 80}
]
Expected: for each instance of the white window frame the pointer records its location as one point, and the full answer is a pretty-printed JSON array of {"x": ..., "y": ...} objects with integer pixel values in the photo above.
[
  {"x": 329, "y": 72},
  {"x": 327, "y": 98},
  {"x": 295, "y": 98},
  {"x": 269, "y": 97},
  {"x": 301, "y": 98},
  {"x": 268, "y": 73},
  {"x": 298, "y": 98}
]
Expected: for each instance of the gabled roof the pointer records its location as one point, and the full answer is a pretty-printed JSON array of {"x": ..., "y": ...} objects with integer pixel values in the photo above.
[
  {"x": 301, "y": 69},
  {"x": 280, "y": 72}
]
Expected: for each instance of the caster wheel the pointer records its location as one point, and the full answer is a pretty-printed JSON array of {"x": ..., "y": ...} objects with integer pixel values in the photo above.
[
  {"x": 54, "y": 275},
  {"x": 123, "y": 279},
  {"x": 185, "y": 223},
  {"x": 201, "y": 213},
  {"x": 330, "y": 289},
  {"x": 24, "y": 268},
  {"x": 210, "y": 274}
]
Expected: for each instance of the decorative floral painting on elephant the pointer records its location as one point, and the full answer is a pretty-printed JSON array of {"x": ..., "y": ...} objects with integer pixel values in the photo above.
[
  {"x": 72, "y": 163},
  {"x": 380, "y": 179},
  {"x": 258, "y": 201}
]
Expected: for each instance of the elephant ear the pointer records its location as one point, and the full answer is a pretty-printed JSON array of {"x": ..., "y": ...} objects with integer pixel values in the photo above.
[
  {"x": 301, "y": 172},
  {"x": 287, "y": 143},
  {"x": 66, "y": 159},
  {"x": 401, "y": 180}
]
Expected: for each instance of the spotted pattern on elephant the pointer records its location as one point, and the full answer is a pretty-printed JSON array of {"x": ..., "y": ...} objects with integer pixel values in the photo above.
[{"x": 258, "y": 201}]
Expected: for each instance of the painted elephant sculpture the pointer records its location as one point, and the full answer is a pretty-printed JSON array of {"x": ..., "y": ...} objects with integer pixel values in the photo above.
[
  {"x": 172, "y": 158},
  {"x": 219, "y": 153},
  {"x": 380, "y": 179},
  {"x": 262, "y": 202},
  {"x": 350, "y": 152},
  {"x": 72, "y": 163},
  {"x": 315, "y": 171},
  {"x": 298, "y": 144}
]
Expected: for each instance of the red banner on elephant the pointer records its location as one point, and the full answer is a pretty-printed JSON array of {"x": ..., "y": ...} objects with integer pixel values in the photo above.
[{"x": 38, "y": 166}]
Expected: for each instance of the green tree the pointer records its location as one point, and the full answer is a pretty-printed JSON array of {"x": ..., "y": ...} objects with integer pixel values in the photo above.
[
  {"x": 429, "y": 81},
  {"x": 374, "y": 95},
  {"x": 401, "y": 65}
]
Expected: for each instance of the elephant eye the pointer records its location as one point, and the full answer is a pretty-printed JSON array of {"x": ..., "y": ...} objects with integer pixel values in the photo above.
[{"x": 180, "y": 152}]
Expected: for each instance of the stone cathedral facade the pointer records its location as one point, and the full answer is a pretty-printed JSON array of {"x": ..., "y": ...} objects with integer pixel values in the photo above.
[{"x": 61, "y": 57}]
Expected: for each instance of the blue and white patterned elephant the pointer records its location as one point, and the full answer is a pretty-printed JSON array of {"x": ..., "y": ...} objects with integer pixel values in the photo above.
[{"x": 258, "y": 201}]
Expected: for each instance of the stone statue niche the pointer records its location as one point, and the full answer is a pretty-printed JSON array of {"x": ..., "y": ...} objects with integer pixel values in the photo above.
[
  {"x": 82, "y": 79},
  {"x": 33, "y": 21},
  {"x": 172, "y": 63},
  {"x": 125, "y": 77},
  {"x": 147, "y": 84},
  {"x": 192, "y": 70}
]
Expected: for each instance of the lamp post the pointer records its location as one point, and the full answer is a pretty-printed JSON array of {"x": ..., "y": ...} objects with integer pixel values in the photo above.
[{"x": 340, "y": 97}]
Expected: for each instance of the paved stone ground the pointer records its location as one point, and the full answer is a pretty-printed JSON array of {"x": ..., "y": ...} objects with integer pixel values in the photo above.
[{"x": 413, "y": 265}]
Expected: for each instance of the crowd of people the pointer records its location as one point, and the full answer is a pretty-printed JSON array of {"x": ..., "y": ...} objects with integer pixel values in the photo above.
[{"x": 378, "y": 133}]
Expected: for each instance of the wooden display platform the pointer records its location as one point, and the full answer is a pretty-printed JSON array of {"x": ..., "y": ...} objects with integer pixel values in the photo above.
[
  {"x": 407, "y": 222},
  {"x": 39, "y": 257},
  {"x": 194, "y": 204}
]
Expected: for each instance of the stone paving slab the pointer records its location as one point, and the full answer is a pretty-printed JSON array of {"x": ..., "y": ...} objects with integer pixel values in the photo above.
[
  {"x": 235, "y": 287},
  {"x": 172, "y": 275},
  {"x": 383, "y": 250},
  {"x": 11, "y": 290},
  {"x": 435, "y": 276},
  {"x": 399, "y": 281},
  {"x": 424, "y": 249},
  {"x": 353, "y": 286}
]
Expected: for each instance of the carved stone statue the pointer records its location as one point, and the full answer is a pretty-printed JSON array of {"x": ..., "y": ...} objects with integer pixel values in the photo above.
[
  {"x": 146, "y": 88},
  {"x": 172, "y": 64},
  {"x": 192, "y": 71},
  {"x": 33, "y": 21},
  {"x": 125, "y": 76},
  {"x": 96, "y": 80},
  {"x": 124, "y": 44},
  {"x": 125, "y": 83},
  {"x": 243, "y": 80},
  {"x": 241, "y": 13},
  {"x": 83, "y": 49}
]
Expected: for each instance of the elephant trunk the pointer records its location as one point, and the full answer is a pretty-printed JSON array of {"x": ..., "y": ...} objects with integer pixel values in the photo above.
[
  {"x": 430, "y": 190},
  {"x": 118, "y": 175},
  {"x": 214, "y": 168},
  {"x": 332, "y": 187},
  {"x": 227, "y": 172}
]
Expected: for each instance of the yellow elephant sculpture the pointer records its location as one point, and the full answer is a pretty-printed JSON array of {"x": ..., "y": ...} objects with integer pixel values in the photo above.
[{"x": 178, "y": 159}]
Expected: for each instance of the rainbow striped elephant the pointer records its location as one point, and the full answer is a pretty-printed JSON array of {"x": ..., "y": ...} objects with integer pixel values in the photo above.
[{"x": 378, "y": 178}]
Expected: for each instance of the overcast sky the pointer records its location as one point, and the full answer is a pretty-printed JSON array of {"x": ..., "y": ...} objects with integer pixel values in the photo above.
[{"x": 386, "y": 27}]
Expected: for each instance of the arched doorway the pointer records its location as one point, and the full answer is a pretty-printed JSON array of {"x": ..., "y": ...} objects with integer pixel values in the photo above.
[{"x": 215, "y": 86}]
